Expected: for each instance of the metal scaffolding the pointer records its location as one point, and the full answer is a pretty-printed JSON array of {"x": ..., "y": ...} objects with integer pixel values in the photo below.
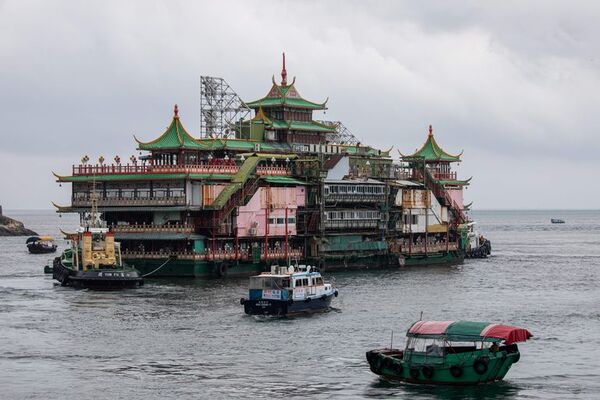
[
  {"x": 342, "y": 135},
  {"x": 221, "y": 109}
]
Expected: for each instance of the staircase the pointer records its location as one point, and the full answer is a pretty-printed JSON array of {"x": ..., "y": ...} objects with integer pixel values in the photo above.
[
  {"x": 441, "y": 192},
  {"x": 241, "y": 189}
]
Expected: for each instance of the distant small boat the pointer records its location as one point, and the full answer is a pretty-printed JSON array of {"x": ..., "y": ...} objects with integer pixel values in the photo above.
[
  {"x": 557, "y": 221},
  {"x": 41, "y": 244}
]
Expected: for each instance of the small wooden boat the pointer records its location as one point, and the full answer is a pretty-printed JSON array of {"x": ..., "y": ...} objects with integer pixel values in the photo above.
[
  {"x": 557, "y": 221},
  {"x": 41, "y": 244},
  {"x": 287, "y": 291},
  {"x": 451, "y": 353}
]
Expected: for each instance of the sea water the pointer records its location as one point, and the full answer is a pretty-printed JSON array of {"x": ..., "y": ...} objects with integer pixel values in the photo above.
[{"x": 191, "y": 339}]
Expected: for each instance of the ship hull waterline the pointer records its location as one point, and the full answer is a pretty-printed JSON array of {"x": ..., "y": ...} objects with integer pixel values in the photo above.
[
  {"x": 105, "y": 279},
  {"x": 181, "y": 268}
]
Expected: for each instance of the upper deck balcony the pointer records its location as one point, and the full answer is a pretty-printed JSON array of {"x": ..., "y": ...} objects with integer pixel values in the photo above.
[{"x": 227, "y": 167}]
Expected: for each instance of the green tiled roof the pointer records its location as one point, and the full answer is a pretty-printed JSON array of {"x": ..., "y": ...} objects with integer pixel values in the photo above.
[
  {"x": 287, "y": 95},
  {"x": 175, "y": 137},
  {"x": 302, "y": 126},
  {"x": 431, "y": 151},
  {"x": 454, "y": 182},
  {"x": 284, "y": 180}
]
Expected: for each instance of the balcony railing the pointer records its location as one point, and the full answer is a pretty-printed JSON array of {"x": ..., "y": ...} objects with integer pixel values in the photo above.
[
  {"x": 154, "y": 169},
  {"x": 355, "y": 197},
  {"x": 217, "y": 255},
  {"x": 149, "y": 201},
  {"x": 152, "y": 228},
  {"x": 127, "y": 169},
  {"x": 351, "y": 224},
  {"x": 267, "y": 170},
  {"x": 430, "y": 248}
]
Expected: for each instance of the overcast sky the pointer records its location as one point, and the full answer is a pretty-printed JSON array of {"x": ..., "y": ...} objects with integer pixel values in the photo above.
[{"x": 515, "y": 84}]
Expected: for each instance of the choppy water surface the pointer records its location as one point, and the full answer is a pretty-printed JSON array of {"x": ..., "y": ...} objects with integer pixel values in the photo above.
[{"x": 191, "y": 339}]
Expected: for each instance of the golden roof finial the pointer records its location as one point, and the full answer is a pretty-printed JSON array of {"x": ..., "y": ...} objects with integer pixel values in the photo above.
[
  {"x": 430, "y": 130},
  {"x": 175, "y": 111}
]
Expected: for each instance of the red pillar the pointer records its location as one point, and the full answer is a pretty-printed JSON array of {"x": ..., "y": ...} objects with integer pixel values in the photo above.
[{"x": 286, "y": 234}]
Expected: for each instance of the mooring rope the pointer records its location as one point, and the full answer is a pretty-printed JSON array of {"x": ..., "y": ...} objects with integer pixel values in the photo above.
[{"x": 163, "y": 264}]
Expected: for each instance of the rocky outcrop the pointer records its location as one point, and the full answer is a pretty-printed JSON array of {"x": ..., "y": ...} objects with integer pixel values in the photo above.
[{"x": 11, "y": 227}]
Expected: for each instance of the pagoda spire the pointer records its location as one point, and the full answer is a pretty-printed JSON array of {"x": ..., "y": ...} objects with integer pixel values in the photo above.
[
  {"x": 175, "y": 111},
  {"x": 430, "y": 130},
  {"x": 283, "y": 73}
]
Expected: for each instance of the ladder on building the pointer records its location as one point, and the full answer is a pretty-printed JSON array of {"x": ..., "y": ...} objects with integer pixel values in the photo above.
[{"x": 440, "y": 191}]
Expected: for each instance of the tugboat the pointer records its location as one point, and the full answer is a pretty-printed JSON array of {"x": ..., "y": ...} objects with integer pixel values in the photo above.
[
  {"x": 94, "y": 259},
  {"x": 288, "y": 291},
  {"x": 451, "y": 353},
  {"x": 41, "y": 244},
  {"x": 557, "y": 221}
]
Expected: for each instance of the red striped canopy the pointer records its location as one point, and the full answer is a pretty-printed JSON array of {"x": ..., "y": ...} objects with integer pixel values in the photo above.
[{"x": 468, "y": 330}]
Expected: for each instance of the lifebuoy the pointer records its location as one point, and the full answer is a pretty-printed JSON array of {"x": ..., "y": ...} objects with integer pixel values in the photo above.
[
  {"x": 427, "y": 371},
  {"x": 481, "y": 365},
  {"x": 414, "y": 372},
  {"x": 456, "y": 371}
]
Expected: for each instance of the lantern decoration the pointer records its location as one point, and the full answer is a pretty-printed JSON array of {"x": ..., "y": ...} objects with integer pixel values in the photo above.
[
  {"x": 133, "y": 159},
  {"x": 85, "y": 159},
  {"x": 101, "y": 160},
  {"x": 117, "y": 160}
]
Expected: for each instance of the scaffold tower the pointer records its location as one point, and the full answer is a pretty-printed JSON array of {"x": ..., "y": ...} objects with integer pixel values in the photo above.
[
  {"x": 342, "y": 135},
  {"x": 221, "y": 109}
]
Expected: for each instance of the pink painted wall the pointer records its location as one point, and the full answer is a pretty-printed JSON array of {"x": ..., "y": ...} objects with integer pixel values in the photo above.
[
  {"x": 251, "y": 219},
  {"x": 457, "y": 196}
]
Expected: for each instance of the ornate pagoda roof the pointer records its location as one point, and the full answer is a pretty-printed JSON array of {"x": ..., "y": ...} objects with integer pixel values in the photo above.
[
  {"x": 285, "y": 95},
  {"x": 174, "y": 137},
  {"x": 431, "y": 152}
]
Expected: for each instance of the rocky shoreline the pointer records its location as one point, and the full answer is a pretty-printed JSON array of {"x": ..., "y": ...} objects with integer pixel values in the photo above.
[{"x": 12, "y": 227}]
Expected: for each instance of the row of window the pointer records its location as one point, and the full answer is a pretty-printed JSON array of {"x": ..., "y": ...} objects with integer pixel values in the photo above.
[
  {"x": 132, "y": 194},
  {"x": 351, "y": 215},
  {"x": 281, "y": 221},
  {"x": 410, "y": 219},
  {"x": 354, "y": 189}
]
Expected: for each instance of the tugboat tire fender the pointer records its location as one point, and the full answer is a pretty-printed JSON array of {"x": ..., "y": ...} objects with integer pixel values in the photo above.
[
  {"x": 427, "y": 371},
  {"x": 223, "y": 270},
  {"x": 335, "y": 293},
  {"x": 324, "y": 297},
  {"x": 517, "y": 357},
  {"x": 387, "y": 362},
  {"x": 481, "y": 365},
  {"x": 414, "y": 372},
  {"x": 290, "y": 301},
  {"x": 456, "y": 371},
  {"x": 242, "y": 301},
  {"x": 307, "y": 300}
]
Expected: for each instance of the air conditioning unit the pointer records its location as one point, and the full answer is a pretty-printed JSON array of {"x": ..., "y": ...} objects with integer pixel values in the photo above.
[{"x": 256, "y": 146}]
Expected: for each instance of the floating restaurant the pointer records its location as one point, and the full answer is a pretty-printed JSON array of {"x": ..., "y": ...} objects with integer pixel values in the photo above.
[{"x": 272, "y": 184}]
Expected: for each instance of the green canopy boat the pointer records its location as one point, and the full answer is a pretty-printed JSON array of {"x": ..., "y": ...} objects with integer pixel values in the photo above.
[{"x": 451, "y": 353}]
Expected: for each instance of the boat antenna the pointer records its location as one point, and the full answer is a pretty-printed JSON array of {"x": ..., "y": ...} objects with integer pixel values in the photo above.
[
  {"x": 392, "y": 340},
  {"x": 421, "y": 317}
]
